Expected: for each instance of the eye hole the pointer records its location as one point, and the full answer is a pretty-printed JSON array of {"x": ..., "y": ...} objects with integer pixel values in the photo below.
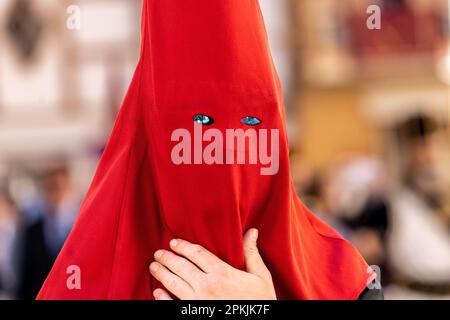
[
  {"x": 251, "y": 121},
  {"x": 202, "y": 119}
]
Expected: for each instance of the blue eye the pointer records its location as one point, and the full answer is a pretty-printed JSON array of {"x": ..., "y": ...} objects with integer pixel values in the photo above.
[
  {"x": 251, "y": 121},
  {"x": 202, "y": 119}
]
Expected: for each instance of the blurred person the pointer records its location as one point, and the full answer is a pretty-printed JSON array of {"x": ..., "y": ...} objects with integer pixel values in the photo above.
[
  {"x": 350, "y": 197},
  {"x": 9, "y": 220},
  {"x": 44, "y": 238},
  {"x": 24, "y": 189},
  {"x": 319, "y": 194},
  {"x": 419, "y": 241},
  {"x": 353, "y": 195}
]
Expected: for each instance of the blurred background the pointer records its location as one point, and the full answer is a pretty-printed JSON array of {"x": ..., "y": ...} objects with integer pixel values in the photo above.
[{"x": 368, "y": 118}]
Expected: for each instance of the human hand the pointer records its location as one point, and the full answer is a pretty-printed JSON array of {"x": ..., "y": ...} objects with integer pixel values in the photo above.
[{"x": 191, "y": 272}]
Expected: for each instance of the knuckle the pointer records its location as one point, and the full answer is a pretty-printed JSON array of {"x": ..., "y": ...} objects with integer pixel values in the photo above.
[
  {"x": 164, "y": 257},
  {"x": 197, "y": 250},
  {"x": 184, "y": 245},
  {"x": 157, "y": 272},
  {"x": 181, "y": 245},
  {"x": 212, "y": 284},
  {"x": 179, "y": 264},
  {"x": 251, "y": 249},
  {"x": 198, "y": 279},
  {"x": 172, "y": 284},
  {"x": 222, "y": 272}
]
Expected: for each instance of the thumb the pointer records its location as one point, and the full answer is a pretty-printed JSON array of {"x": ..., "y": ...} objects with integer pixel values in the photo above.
[{"x": 253, "y": 261}]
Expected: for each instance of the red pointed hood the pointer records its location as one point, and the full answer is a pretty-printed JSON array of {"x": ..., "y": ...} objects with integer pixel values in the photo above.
[{"x": 201, "y": 58}]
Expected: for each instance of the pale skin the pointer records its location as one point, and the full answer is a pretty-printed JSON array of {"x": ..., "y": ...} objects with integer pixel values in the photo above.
[{"x": 190, "y": 272}]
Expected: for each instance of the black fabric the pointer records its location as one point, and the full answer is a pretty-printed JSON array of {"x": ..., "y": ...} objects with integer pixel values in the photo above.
[
  {"x": 37, "y": 261},
  {"x": 372, "y": 294},
  {"x": 373, "y": 216}
]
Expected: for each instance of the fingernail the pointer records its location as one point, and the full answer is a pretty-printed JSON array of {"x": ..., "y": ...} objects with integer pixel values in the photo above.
[
  {"x": 158, "y": 254},
  {"x": 255, "y": 234},
  {"x": 154, "y": 267},
  {"x": 156, "y": 293},
  {"x": 174, "y": 243}
]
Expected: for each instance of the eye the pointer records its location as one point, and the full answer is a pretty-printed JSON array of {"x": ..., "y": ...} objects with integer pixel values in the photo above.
[
  {"x": 251, "y": 121},
  {"x": 202, "y": 119}
]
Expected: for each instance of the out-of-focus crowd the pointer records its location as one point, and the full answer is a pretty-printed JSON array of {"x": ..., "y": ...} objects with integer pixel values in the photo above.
[
  {"x": 33, "y": 232},
  {"x": 399, "y": 223}
]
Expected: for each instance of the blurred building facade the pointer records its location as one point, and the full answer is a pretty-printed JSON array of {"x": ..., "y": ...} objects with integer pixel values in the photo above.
[{"x": 58, "y": 98}]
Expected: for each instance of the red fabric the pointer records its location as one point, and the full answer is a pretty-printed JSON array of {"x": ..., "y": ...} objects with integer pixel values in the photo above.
[{"x": 198, "y": 57}]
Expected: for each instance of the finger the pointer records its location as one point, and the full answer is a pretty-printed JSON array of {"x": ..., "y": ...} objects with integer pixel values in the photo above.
[
  {"x": 204, "y": 259},
  {"x": 180, "y": 266},
  {"x": 253, "y": 262},
  {"x": 170, "y": 281},
  {"x": 161, "y": 294}
]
